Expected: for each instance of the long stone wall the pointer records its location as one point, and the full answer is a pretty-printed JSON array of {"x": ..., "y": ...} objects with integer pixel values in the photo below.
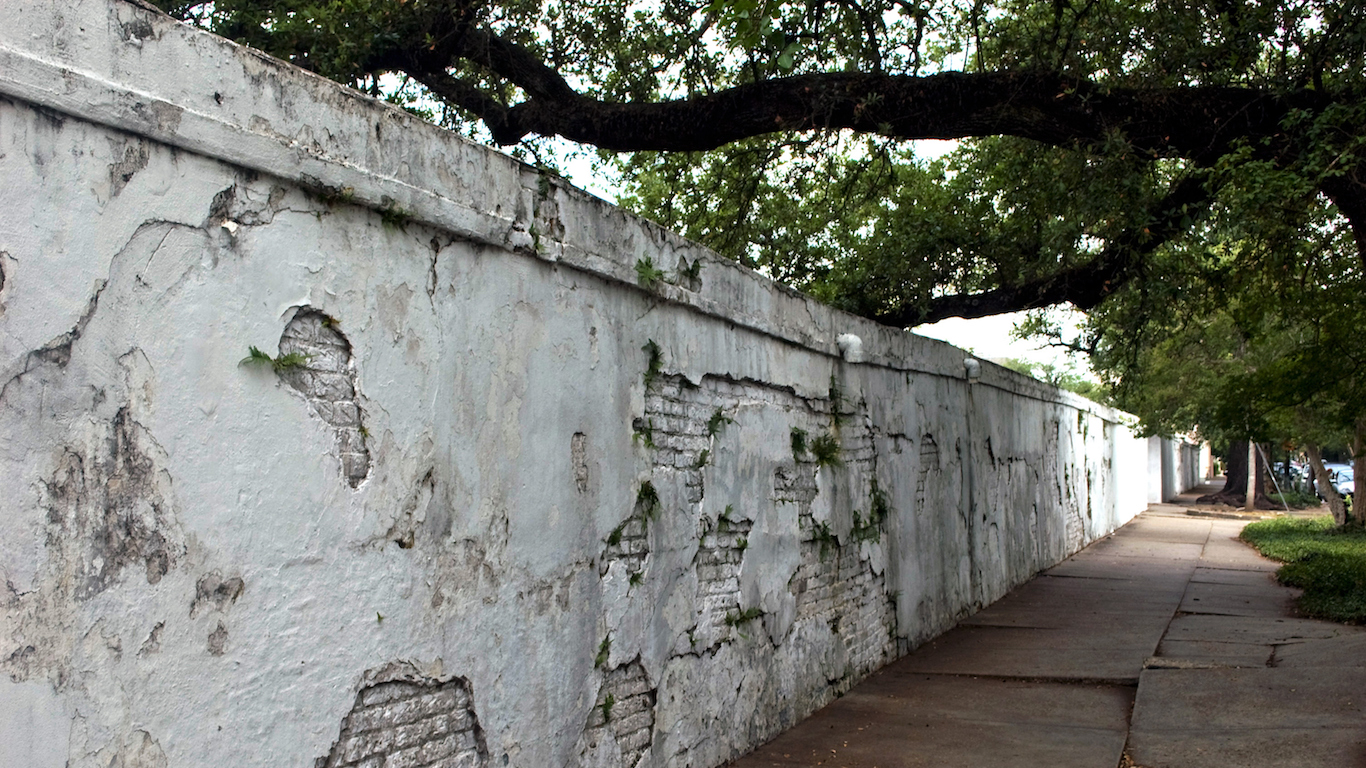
[{"x": 480, "y": 497}]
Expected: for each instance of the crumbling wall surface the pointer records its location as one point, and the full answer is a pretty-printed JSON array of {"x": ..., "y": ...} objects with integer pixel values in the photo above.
[{"x": 329, "y": 438}]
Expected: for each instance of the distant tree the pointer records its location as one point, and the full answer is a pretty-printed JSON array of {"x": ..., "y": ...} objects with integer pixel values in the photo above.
[
  {"x": 1269, "y": 354},
  {"x": 1062, "y": 377}
]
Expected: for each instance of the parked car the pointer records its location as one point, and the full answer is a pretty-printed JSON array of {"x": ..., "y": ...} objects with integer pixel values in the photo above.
[
  {"x": 1340, "y": 475},
  {"x": 1344, "y": 482}
]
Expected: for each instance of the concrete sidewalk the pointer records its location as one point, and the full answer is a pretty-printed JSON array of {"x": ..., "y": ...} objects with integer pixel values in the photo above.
[{"x": 1167, "y": 644}]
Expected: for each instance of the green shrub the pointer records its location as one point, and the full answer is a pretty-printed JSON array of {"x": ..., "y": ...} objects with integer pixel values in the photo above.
[{"x": 1328, "y": 563}]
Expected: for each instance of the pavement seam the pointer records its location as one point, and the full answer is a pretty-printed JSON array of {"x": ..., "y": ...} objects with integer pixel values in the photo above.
[
  {"x": 1124, "y": 758},
  {"x": 1119, "y": 682}
]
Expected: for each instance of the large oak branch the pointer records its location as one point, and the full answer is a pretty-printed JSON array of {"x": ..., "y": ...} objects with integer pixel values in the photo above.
[
  {"x": 1085, "y": 285},
  {"x": 1186, "y": 121}
]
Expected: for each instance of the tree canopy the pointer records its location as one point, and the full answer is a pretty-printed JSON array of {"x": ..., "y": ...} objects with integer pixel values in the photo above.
[{"x": 776, "y": 131}]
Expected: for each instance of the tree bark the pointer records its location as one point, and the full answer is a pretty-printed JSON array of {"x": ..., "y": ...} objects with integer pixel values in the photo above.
[
  {"x": 1190, "y": 121},
  {"x": 1359, "y": 471},
  {"x": 1325, "y": 484},
  {"x": 1234, "y": 491},
  {"x": 1236, "y": 481}
]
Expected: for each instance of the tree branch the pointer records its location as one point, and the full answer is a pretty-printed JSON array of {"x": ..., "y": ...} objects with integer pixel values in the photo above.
[
  {"x": 516, "y": 63},
  {"x": 1084, "y": 286},
  {"x": 1348, "y": 193},
  {"x": 1194, "y": 122},
  {"x": 464, "y": 95}
]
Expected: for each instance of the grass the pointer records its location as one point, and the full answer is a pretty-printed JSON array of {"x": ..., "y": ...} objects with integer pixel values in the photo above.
[
  {"x": 647, "y": 500},
  {"x": 394, "y": 218},
  {"x": 692, "y": 272},
  {"x": 1328, "y": 563},
  {"x": 644, "y": 433},
  {"x": 879, "y": 509},
  {"x": 717, "y": 422},
  {"x": 736, "y": 618}
]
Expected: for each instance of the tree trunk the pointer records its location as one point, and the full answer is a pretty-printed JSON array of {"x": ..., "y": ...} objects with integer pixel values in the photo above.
[
  {"x": 1359, "y": 472},
  {"x": 1236, "y": 478},
  {"x": 1234, "y": 492},
  {"x": 1325, "y": 484}
]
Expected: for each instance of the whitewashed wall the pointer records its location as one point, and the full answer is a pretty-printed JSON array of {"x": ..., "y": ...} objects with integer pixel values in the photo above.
[{"x": 513, "y": 508}]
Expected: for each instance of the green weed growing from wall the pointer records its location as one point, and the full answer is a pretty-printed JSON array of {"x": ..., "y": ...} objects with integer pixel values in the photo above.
[
  {"x": 647, "y": 500},
  {"x": 718, "y": 421},
  {"x": 282, "y": 363},
  {"x": 736, "y": 618},
  {"x": 825, "y": 449},
  {"x": 689, "y": 273},
  {"x": 654, "y": 361},
  {"x": 647, "y": 274}
]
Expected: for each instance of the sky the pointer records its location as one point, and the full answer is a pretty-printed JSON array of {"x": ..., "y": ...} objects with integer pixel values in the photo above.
[{"x": 990, "y": 338}]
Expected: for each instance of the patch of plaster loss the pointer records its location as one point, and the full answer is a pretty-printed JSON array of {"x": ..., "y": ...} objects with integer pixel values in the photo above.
[
  {"x": 132, "y": 156},
  {"x": 153, "y": 642},
  {"x": 325, "y": 373},
  {"x": 424, "y": 517},
  {"x": 621, "y": 725},
  {"x": 405, "y": 718},
  {"x": 217, "y": 640},
  {"x": 578, "y": 457},
  {"x": 213, "y": 592},
  {"x": 54, "y": 356},
  {"x": 109, "y": 510},
  {"x": 111, "y": 503},
  {"x": 58, "y": 351},
  {"x": 137, "y": 750},
  {"x": 719, "y": 557}
]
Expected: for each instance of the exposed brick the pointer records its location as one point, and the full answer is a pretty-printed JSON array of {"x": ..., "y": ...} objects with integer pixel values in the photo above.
[
  {"x": 834, "y": 582},
  {"x": 404, "y": 724},
  {"x": 327, "y": 378},
  {"x": 387, "y": 692},
  {"x": 631, "y": 721}
]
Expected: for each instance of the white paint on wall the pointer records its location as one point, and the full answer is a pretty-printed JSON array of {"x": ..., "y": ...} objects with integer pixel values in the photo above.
[{"x": 573, "y": 486}]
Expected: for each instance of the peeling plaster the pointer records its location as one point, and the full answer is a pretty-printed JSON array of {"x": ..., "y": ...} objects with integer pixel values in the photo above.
[{"x": 460, "y": 479}]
